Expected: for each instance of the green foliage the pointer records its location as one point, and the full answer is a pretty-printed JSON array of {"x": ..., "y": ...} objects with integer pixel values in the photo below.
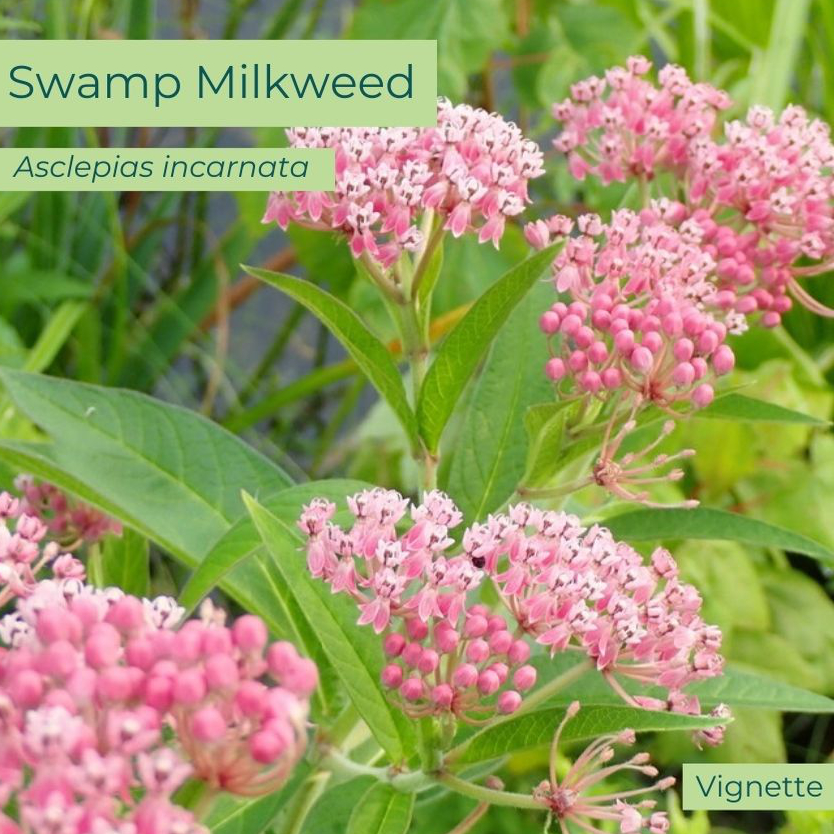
[
  {"x": 382, "y": 810},
  {"x": 462, "y": 350}
]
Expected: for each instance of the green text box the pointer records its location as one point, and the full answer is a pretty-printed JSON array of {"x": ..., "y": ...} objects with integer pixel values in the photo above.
[
  {"x": 218, "y": 83},
  {"x": 752, "y": 787},
  {"x": 166, "y": 169}
]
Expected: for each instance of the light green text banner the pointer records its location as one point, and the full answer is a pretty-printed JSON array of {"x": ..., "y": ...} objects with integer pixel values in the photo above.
[
  {"x": 764, "y": 787},
  {"x": 218, "y": 83},
  {"x": 166, "y": 169}
]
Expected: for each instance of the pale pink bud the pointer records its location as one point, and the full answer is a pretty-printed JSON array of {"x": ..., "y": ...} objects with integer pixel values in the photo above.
[
  {"x": 500, "y": 669},
  {"x": 590, "y": 381},
  {"x": 412, "y": 689},
  {"x": 416, "y": 629},
  {"x": 703, "y": 395},
  {"x": 683, "y": 350},
  {"x": 447, "y": 639},
  {"x": 477, "y": 651},
  {"x": 508, "y": 702},
  {"x": 500, "y": 642},
  {"x": 612, "y": 378},
  {"x": 26, "y": 689},
  {"x": 207, "y": 724},
  {"x": 280, "y": 656},
  {"x": 412, "y": 653},
  {"x": 683, "y": 374},
  {"x": 476, "y": 626},
  {"x": 578, "y": 361},
  {"x": 127, "y": 614},
  {"x": 189, "y": 687},
  {"x": 251, "y": 698},
  {"x": 115, "y": 684},
  {"x": 392, "y": 676},
  {"x": 519, "y": 652},
  {"x": 265, "y": 747},
  {"x": 549, "y": 323},
  {"x": 221, "y": 672},
  {"x": 159, "y": 692},
  {"x": 537, "y": 234},
  {"x": 525, "y": 678},
  {"x": 442, "y": 695},
  {"x": 488, "y": 682},
  {"x": 465, "y": 676},
  {"x": 641, "y": 358},
  {"x": 428, "y": 661},
  {"x": 393, "y": 644},
  {"x": 555, "y": 369},
  {"x": 249, "y": 633},
  {"x": 723, "y": 360}
]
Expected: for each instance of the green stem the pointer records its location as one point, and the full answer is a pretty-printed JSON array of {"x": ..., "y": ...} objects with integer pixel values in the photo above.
[
  {"x": 303, "y": 803},
  {"x": 482, "y": 794},
  {"x": 425, "y": 258}
]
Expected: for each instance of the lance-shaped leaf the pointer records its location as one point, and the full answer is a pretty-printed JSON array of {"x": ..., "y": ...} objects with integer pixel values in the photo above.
[
  {"x": 708, "y": 523},
  {"x": 167, "y": 472},
  {"x": 354, "y": 653},
  {"x": 465, "y": 346},
  {"x": 369, "y": 353},
  {"x": 382, "y": 810}
]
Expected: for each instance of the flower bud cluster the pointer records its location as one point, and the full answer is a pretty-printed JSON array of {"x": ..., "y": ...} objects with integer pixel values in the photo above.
[
  {"x": 107, "y": 705},
  {"x": 642, "y": 315},
  {"x": 472, "y": 170},
  {"x": 565, "y": 587}
]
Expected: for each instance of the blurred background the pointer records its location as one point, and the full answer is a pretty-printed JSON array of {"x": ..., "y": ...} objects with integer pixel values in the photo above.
[{"x": 144, "y": 290}]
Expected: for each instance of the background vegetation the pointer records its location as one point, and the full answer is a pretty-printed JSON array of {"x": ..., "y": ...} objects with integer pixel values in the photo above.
[{"x": 144, "y": 291}]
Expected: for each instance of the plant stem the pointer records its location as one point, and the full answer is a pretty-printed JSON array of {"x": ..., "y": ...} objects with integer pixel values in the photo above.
[
  {"x": 471, "y": 819},
  {"x": 482, "y": 794},
  {"x": 303, "y": 802}
]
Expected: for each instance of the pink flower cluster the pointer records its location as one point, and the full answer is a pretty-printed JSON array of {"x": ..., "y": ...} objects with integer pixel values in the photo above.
[
  {"x": 569, "y": 588},
  {"x": 762, "y": 194},
  {"x": 472, "y": 169},
  {"x": 25, "y": 553},
  {"x": 577, "y": 588},
  {"x": 637, "y": 127},
  {"x": 95, "y": 684},
  {"x": 643, "y": 315},
  {"x": 70, "y": 522}
]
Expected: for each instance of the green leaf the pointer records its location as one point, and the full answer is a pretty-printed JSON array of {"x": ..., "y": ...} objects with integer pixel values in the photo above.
[
  {"x": 491, "y": 445},
  {"x": 466, "y": 32},
  {"x": 125, "y": 563},
  {"x": 771, "y": 79},
  {"x": 462, "y": 350},
  {"x": 738, "y": 407},
  {"x": 545, "y": 425},
  {"x": 736, "y": 686},
  {"x": 707, "y": 523},
  {"x": 169, "y": 473},
  {"x": 382, "y": 810},
  {"x": 355, "y": 653},
  {"x": 535, "y": 729},
  {"x": 54, "y": 335},
  {"x": 366, "y": 350}
]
